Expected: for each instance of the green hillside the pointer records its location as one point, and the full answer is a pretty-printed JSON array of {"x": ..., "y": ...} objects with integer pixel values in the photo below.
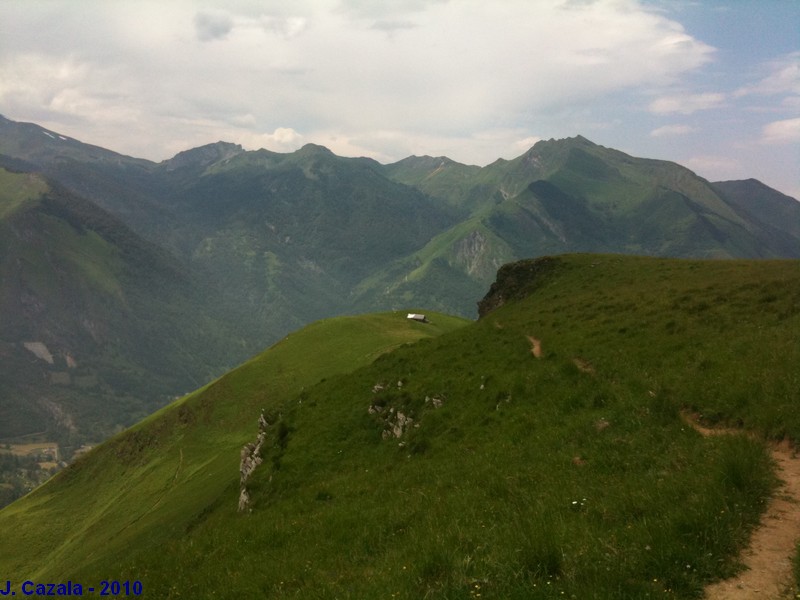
[
  {"x": 761, "y": 202},
  {"x": 98, "y": 325},
  {"x": 567, "y": 474},
  {"x": 572, "y": 195},
  {"x": 151, "y": 483},
  {"x": 287, "y": 237}
]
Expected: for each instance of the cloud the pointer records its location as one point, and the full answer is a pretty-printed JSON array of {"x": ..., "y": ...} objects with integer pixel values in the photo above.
[
  {"x": 392, "y": 25},
  {"x": 714, "y": 167},
  {"x": 527, "y": 143},
  {"x": 671, "y": 130},
  {"x": 781, "y": 132},
  {"x": 783, "y": 78},
  {"x": 369, "y": 9},
  {"x": 686, "y": 104},
  {"x": 212, "y": 25},
  {"x": 778, "y": 92},
  {"x": 446, "y": 73},
  {"x": 31, "y": 78},
  {"x": 287, "y": 27}
]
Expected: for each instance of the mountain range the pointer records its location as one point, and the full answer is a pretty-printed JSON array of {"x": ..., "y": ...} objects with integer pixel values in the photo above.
[{"x": 126, "y": 282}]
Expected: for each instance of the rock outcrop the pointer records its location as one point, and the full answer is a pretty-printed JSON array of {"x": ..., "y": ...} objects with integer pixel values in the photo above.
[
  {"x": 251, "y": 458},
  {"x": 515, "y": 281}
]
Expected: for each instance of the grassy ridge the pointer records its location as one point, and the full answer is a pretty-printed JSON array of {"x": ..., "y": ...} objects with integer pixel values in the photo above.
[
  {"x": 568, "y": 475},
  {"x": 149, "y": 483}
]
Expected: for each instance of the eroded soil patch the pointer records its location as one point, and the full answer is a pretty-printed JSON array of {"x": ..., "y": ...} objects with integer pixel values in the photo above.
[{"x": 536, "y": 346}]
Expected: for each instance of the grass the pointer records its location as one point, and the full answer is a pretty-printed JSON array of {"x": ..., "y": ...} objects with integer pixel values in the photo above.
[
  {"x": 17, "y": 189},
  {"x": 568, "y": 476},
  {"x": 177, "y": 463}
]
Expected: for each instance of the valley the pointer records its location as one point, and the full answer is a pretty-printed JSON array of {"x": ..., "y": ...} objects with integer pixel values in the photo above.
[{"x": 26, "y": 466}]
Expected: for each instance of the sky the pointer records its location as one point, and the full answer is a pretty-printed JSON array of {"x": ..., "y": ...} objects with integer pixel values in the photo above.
[{"x": 713, "y": 85}]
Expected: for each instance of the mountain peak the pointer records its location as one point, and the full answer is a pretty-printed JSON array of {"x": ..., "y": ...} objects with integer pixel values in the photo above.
[
  {"x": 203, "y": 156},
  {"x": 577, "y": 140},
  {"x": 581, "y": 140},
  {"x": 310, "y": 149}
]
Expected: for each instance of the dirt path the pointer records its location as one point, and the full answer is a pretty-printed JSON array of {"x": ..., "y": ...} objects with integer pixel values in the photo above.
[
  {"x": 536, "y": 346},
  {"x": 768, "y": 559}
]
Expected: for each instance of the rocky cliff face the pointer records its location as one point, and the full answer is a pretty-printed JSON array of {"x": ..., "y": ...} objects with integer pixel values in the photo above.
[
  {"x": 475, "y": 256},
  {"x": 515, "y": 281}
]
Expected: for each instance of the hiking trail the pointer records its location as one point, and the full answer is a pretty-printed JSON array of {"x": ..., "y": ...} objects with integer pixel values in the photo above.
[{"x": 768, "y": 573}]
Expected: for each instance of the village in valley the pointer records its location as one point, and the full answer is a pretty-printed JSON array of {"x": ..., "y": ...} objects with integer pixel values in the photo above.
[{"x": 24, "y": 466}]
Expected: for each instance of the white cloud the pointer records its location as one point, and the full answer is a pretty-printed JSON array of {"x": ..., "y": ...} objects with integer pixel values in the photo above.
[
  {"x": 686, "y": 104},
  {"x": 32, "y": 78},
  {"x": 369, "y": 9},
  {"x": 672, "y": 130},
  {"x": 447, "y": 71},
  {"x": 527, "y": 143},
  {"x": 783, "y": 78},
  {"x": 286, "y": 26},
  {"x": 715, "y": 167},
  {"x": 283, "y": 139},
  {"x": 782, "y": 132}
]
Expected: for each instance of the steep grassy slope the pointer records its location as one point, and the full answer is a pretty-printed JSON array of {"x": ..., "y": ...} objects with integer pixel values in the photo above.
[
  {"x": 98, "y": 325},
  {"x": 149, "y": 485},
  {"x": 567, "y": 474}
]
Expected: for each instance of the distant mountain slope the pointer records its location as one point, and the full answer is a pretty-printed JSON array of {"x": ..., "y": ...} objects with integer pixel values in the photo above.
[
  {"x": 572, "y": 195},
  {"x": 439, "y": 177},
  {"x": 296, "y": 237},
  {"x": 99, "y": 325},
  {"x": 539, "y": 452},
  {"x": 129, "y": 188},
  {"x": 288, "y": 236},
  {"x": 762, "y": 203}
]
